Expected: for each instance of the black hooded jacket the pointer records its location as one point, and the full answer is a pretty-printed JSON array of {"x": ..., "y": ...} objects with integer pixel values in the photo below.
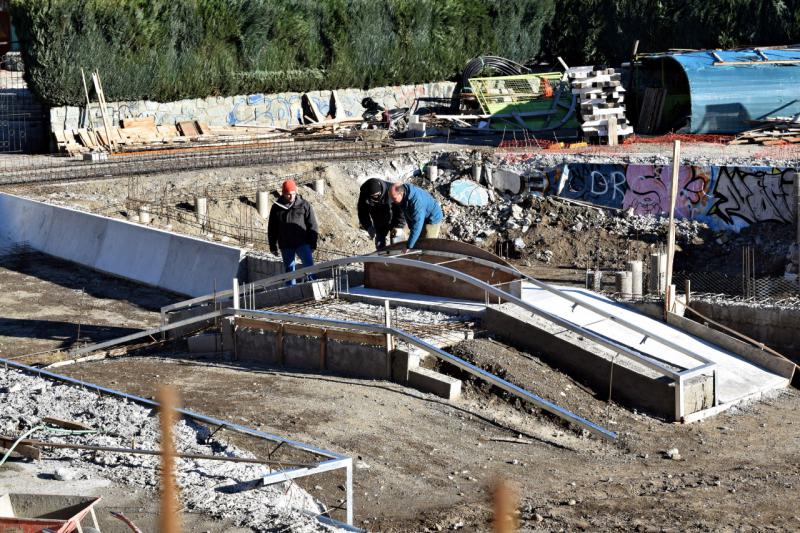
[
  {"x": 383, "y": 214},
  {"x": 291, "y": 226}
]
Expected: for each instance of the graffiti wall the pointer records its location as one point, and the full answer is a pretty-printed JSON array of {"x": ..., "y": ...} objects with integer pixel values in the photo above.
[
  {"x": 279, "y": 110},
  {"x": 723, "y": 197}
]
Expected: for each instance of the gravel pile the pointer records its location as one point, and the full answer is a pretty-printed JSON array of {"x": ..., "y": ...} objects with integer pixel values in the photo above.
[{"x": 216, "y": 488}]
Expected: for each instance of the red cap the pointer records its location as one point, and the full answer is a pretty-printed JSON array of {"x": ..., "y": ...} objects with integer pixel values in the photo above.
[{"x": 289, "y": 186}]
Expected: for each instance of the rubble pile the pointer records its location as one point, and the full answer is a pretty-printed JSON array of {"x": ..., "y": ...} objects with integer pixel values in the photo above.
[
  {"x": 215, "y": 488},
  {"x": 527, "y": 225}
]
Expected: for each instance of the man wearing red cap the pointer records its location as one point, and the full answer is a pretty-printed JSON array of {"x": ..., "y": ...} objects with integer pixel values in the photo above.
[{"x": 292, "y": 228}]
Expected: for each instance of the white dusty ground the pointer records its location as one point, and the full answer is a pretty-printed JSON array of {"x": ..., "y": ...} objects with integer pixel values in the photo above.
[{"x": 216, "y": 488}]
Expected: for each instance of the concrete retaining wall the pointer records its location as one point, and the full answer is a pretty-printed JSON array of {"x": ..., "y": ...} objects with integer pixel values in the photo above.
[
  {"x": 652, "y": 394},
  {"x": 776, "y": 327},
  {"x": 283, "y": 109},
  {"x": 303, "y": 352},
  {"x": 177, "y": 263}
]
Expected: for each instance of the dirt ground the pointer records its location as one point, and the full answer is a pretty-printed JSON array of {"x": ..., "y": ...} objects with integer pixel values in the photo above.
[
  {"x": 427, "y": 464},
  {"x": 423, "y": 463},
  {"x": 50, "y": 304}
]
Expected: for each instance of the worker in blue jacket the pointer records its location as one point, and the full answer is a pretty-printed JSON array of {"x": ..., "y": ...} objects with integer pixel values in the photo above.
[{"x": 420, "y": 210}]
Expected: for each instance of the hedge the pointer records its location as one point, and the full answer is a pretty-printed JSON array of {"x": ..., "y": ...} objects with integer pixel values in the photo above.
[{"x": 167, "y": 50}]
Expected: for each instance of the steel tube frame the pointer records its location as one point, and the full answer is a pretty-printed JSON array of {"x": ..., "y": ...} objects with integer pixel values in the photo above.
[
  {"x": 335, "y": 461},
  {"x": 441, "y": 354},
  {"x": 651, "y": 362}
]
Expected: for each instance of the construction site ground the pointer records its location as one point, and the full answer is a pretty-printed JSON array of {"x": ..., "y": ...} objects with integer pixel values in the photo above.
[
  {"x": 426, "y": 463},
  {"x": 423, "y": 463}
]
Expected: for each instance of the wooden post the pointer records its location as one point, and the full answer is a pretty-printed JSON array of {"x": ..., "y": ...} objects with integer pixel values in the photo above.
[
  {"x": 688, "y": 290},
  {"x": 611, "y": 127},
  {"x": 101, "y": 98},
  {"x": 389, "y": 340},
  {"x": 279, "y": 344},
  {"x": 169, "y": 518},
  {"x": 88, "y": 102},
  {"x": 323, "y": 350},
  {"x": 505, "y": 502},
  {"x": 673, "y": 194}
]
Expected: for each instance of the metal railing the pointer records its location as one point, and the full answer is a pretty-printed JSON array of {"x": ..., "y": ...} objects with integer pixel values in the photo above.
[{"x": 678, "y": 374}]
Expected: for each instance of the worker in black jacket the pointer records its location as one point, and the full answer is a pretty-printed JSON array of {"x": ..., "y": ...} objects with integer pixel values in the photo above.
[
  {"x": 292, "y": 228},
  {"x": 377, "y": 215}
]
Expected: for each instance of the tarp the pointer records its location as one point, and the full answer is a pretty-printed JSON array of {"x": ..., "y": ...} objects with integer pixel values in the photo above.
[{"x": 746, "y": 85}]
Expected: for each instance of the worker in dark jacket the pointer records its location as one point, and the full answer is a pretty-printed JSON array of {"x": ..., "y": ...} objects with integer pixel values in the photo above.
[
  {"x": 377, "y": 214},
  {"x": 292, "y": 228},
  {"x": 420, "y": 210}
]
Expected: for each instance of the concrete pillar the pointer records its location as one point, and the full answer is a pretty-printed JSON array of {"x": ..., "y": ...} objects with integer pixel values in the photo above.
[
  {"x": 319, "y": 187},
  {"x": 635, "y": 268},
  {"x": 658, "y": 273},
  {"x": 622, "y": 283},
  {"x": 477, "y": 167},
  {"x": 433, "y": 172},
  {"x": 144, "y": 214},
  {"x": 201, "y": 209},
  {"x": 595, "y": 280},
  {"x": 262, "y": 204}
]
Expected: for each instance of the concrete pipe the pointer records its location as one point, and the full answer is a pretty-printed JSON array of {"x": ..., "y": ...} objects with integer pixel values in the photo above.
[
  {"x": 433, "y": 172},
  {"x": 144, "y": 214},
  {"x": 201, "y": 209},
  {"x": 635, "y": 268},
  {"x": 622, "y": 283},
  {"x": 476, "y": 171},
  {"x": 262, "y": 204}
]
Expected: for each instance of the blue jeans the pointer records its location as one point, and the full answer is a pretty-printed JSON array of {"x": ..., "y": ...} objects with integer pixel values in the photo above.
[{"x": 306, "y": 257}]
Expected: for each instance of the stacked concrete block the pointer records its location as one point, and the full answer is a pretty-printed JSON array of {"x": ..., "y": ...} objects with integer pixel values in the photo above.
[{"x": 600, "y": 96}]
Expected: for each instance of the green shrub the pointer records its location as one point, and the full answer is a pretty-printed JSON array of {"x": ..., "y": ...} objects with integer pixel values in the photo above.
[{"x": 171, "y": 49}]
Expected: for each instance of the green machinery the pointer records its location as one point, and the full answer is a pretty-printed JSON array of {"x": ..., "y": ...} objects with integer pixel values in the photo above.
[{"x": 533, "y": 102}]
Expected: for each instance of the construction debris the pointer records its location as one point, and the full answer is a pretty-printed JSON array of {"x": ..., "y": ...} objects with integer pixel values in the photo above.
[
  {"x": 601, "y": 96},
  {"x": 776, "y": 131}
]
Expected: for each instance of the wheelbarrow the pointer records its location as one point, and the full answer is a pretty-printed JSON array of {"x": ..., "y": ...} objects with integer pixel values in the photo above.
[{"x": 44, "y": 513}]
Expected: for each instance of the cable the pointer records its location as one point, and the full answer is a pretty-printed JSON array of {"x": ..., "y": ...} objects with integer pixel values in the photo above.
[{"x": 502, "y": 66}]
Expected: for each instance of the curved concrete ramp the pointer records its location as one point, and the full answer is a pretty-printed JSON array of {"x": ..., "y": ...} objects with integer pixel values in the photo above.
[
  {"x": 178, "y": 263},
  {"x": 737, "y": 379}
]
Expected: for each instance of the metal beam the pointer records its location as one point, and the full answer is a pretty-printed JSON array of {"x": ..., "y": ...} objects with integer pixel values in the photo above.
[{"x": 334, "y": 458}]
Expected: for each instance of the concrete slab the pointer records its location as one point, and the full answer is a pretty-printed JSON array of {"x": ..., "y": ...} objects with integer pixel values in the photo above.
[
  {"x": 435, "y": 383},
  {"x": 736, "y": 377}
]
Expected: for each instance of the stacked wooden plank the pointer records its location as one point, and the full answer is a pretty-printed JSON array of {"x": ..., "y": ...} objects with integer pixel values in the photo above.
[
  {"x": 601, "y": 97},
  {"x": 652, "y": 110},
  {"x": 775, "y": 132},
  {"x": 142, "y": 134}
]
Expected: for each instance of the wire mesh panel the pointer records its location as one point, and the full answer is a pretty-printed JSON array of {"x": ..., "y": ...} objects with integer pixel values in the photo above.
[{"x": 23, "y": 119}]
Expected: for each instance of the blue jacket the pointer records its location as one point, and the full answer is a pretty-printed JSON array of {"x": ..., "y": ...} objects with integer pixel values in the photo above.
[{"x": 419, "y": 208}]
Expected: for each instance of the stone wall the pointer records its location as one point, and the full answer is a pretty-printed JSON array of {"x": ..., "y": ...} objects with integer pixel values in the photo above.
[{"x": 280, "y": 110}]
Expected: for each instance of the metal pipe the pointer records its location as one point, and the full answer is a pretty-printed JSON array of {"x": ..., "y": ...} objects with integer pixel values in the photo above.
[{"x": 399, "y": 260}]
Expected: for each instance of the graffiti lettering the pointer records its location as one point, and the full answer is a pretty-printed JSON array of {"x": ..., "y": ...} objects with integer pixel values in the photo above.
[
  {"x": 599, "y": 184},
  {"x": 649, "y": 190},
  {"x": 754, "y": 194},
  {"x": 723, "y": 197}
]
